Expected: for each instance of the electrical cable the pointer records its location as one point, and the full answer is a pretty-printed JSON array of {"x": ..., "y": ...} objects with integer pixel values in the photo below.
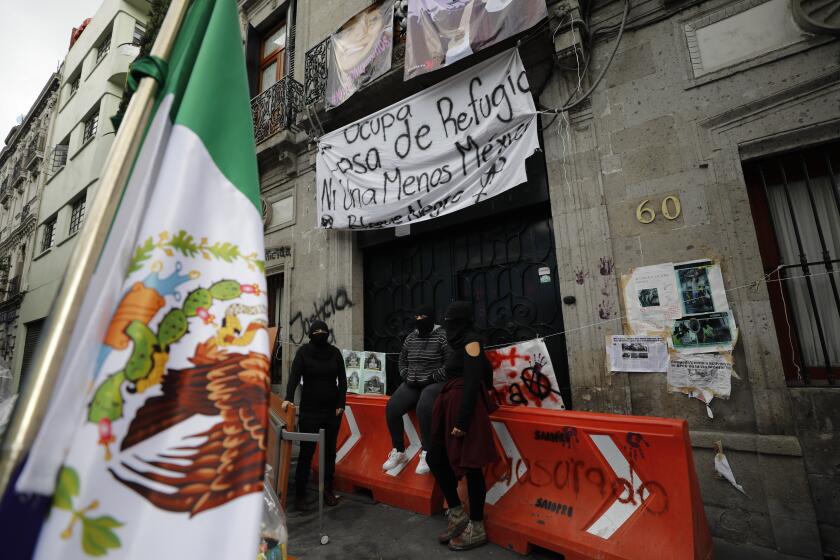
[{"x": 571, "y": 105}]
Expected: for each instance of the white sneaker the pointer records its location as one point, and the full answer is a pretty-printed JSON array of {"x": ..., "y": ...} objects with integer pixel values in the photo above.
[
  {"x": 422, "y": 465},
  {"x": 395, "y": 458}
]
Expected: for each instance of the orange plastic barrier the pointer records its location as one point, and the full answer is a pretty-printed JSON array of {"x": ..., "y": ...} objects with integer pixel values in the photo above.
[
  {"x": 591, "y": 485},
  {"x": 363, "y": 445},
  {"x": 280, "y": 455}
]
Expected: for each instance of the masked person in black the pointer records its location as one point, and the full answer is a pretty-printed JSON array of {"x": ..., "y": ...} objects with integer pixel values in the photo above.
[
  {"x": 422, "y": 360},
  {"x": 322, "y": 400},
  {"x": 462, "y": 436}
]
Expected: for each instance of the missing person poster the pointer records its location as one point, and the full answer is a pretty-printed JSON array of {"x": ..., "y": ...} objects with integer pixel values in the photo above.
[
  {"x": 352, "y": 367},
  {"x": 637, "y": 354},
  {"x": 373, "y": 379},
  {"x": 360, "y": 52},
  {"x": 365, "y": 372},
  {"x": 441, "y": 32}
]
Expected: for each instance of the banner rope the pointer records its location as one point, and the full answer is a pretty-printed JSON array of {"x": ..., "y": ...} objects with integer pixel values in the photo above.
[{"x": 753, "y": 285}]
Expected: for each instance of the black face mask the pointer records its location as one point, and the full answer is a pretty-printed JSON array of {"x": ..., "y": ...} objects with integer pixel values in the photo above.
[
  {"x": 425, "y": 326},
  {"x": 459, "y": 319},
  {"x": 319, "y": 339}
]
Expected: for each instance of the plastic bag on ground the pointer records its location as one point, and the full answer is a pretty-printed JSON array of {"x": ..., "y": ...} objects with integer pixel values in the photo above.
[{"x": 273, "y": 535}]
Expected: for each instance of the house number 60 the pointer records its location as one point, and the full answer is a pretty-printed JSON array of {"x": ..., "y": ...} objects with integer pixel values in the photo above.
[{"x": 645, "y": 214}]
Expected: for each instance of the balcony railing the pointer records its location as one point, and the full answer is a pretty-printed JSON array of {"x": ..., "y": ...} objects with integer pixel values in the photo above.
[
  {"x": 18, "y": 174},
  {"x": 316, "y": 66},
  {"x": 13, "y": 288},
  {"x": 276, "y": 109},
  {"x": 315, "y": 72},
  {"x": 25, "y": 211},
  {"x": 34, "y": 152},
  {"x": 5, "y": 193}
]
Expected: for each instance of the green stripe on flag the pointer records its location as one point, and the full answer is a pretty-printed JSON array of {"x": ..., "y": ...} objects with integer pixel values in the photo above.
[{"x": 215, "y": 103}]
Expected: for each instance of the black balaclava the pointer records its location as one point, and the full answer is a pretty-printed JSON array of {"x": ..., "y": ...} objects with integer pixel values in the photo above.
[
  {"x": 458, "y": 321},
  {"x": 425, "y": 326},
  {"x": 319, "y": 341}
]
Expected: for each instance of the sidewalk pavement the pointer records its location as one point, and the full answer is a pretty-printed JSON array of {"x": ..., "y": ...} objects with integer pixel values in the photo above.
[{"x": 360, "y": 529}]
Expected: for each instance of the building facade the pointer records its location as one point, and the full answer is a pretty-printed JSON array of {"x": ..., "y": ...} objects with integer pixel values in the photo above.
[
  {"x": 22, "y": 178},
  {"x": 730, "y": 110},
  {"x": 92, "y": 78}
]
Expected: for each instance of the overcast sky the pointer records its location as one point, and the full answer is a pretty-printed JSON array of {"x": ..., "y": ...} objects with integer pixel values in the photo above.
[{"x": 35, "y": 39}]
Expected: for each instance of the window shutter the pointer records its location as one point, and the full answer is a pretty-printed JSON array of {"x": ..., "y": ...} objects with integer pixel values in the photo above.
[{"x": 30, "y": 346}]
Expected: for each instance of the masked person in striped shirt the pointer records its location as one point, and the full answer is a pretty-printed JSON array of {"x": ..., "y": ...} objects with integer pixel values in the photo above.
[{"x": 422, "y": 362}]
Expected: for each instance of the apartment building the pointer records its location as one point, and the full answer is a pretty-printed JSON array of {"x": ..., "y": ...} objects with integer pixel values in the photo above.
[
  {"x": 92, "y": 78},
  {"x": 22, "y": 178}
]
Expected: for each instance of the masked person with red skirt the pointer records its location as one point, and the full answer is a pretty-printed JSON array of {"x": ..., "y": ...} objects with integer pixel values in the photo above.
[
  {"x": 462, "y": 436},
  {"x": 322, "y": 400}
]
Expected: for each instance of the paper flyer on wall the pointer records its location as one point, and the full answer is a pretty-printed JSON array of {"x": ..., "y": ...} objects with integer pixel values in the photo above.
[
  {"x": 651, "y": 299},
  {"x": 352, "y": 367},
  {"x": 373, "y": 378},
  {"x": 707, "y": 332},
  {"x": 700, "y": 285},
  {"x": 707, "y": 373},
  {"x": 637, "y": 353}
]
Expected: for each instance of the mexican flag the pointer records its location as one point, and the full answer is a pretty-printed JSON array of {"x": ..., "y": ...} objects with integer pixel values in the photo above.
[{"x": 154, "y": 443}]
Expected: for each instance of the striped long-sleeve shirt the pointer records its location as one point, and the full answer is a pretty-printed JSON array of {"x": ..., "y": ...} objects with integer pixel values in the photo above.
[{"x": 423, "y": 358}]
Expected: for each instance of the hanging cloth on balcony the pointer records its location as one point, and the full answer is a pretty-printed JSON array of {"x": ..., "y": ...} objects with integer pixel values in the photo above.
[
  {"x": 360, "y": 52},
  {"x": 441, "y": 32}
]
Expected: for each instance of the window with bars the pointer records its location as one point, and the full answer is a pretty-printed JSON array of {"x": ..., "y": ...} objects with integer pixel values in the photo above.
[
  {"x": 74, "y": 85},
  {"x": 795, "y": 200},
  {"x": 91, "y": 125},
  {"x": 139, "y": 33},
  {"x": 49, "y": 234},
  {"x": 77, "y": 214},
  {"x": 104, "y": 47},
  {"x": 59, "y": 159}
]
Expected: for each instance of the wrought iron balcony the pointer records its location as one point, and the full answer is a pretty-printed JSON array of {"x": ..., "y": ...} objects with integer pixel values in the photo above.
[
  {"x": 316, "y": 66},
  {"x": 13, "y": 288},
  {"x": 25, "y": 211},
  {"x": 5, "y": 194},
  {"x": 18, "y": 174},
  {"x": 276, "y": 109},
  {"x": 34, "y": 152},
  {"x": 315, "y": 72}
]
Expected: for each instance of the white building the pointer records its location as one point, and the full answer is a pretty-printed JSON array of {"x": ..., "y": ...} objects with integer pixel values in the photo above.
[
  {"x": 92, "y": 80},
  {"x": 22, "y": 177}
]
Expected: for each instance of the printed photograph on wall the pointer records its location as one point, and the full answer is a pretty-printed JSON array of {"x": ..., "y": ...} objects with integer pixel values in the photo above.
[
  {"x": 695, "y": 289},
  {"x": 649, "y": 297},
  {"x": 374, "y": 383},
  {"x": 373, "y": 361},
  {"x": 352, "y": 367},
  {"x": 710, "y": 332}
]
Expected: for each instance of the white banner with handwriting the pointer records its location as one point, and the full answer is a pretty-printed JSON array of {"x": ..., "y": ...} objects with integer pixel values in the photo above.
[{"x": 445, "y": 148}]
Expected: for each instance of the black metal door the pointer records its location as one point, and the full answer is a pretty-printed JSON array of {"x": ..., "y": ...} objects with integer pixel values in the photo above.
[{"x": 498, "y": 263}]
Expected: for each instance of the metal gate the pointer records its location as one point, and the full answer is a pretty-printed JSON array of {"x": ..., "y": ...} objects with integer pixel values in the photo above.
[{"x": 498, "y": 263}]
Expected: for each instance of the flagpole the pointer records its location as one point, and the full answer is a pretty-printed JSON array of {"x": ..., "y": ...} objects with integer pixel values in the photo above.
[{"x": 34, "y": 398}]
